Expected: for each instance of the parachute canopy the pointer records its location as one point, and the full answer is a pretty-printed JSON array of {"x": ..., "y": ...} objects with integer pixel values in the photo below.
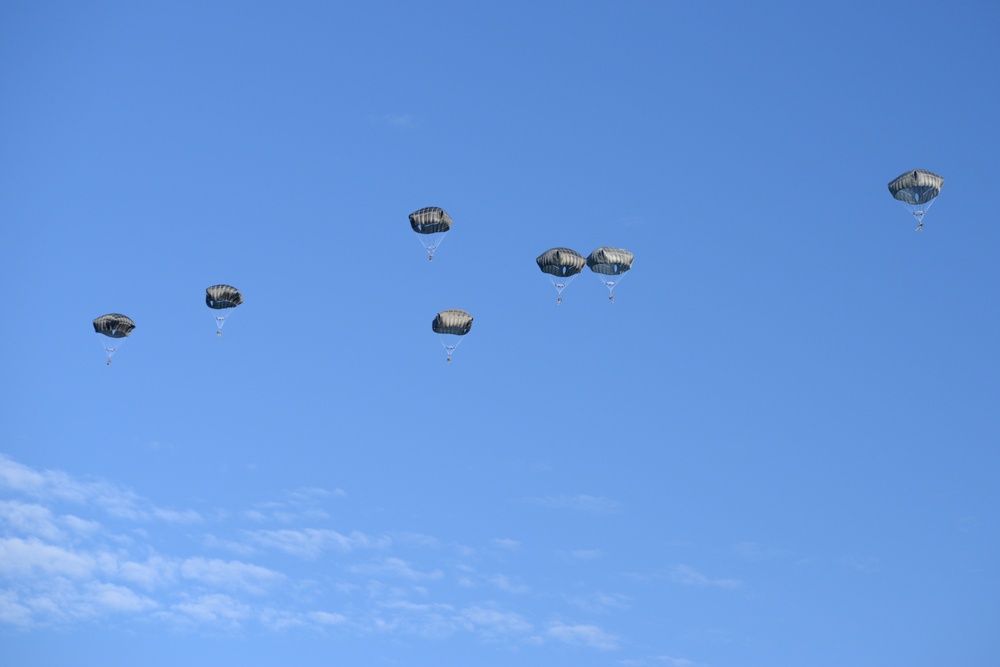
[
  {"x": 432, "y": 223},
  {"x": 222, "y": 296},
  {"x": 916, "y": 191},
  {"x": 454, "y": 322},
  {"x": 561, "y": 262},
  {"x": 610, "y": 261},
  {"x": 114, "y": 325},
  {"x": 562, "y": 265},
  {"x": 610, "y": 264},
  {"x": 430, "y": 220},
  {"x": 916, "y": 187}
]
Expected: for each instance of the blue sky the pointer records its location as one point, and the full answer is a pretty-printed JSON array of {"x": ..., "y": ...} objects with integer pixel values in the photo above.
[{"x": 777, "y": 447}]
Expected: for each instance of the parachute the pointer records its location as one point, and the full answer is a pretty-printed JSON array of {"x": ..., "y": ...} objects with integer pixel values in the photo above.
[
  {"x": 610, "y": 265},
  {"x": 452, "y": 325},
  {"x": 562, "y": 265},
  {"x": 117, "y": 328},
  {"x": 432, "y": 223},
  {"x": 916, "y": 191},
  {"x": 222, "y": 298}
]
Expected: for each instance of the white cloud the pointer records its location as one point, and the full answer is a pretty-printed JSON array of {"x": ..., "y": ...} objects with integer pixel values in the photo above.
[
  {"x": 583, "y": 635},
  {"x": 506, "y": 543},
  {"x": 155, "y": 572},
  {"x": 111, "y": 597},
  {"x": 55, "y": 485},
  {"x": 216, "y": 609},
  {"x": 230, "y": 574},
  {"x": 496, "y": 622},
  {"x": 310, "y": 542},
  {"x": 32, "y": 558},
  {"x": 859, "y": 562},
  {"x": 505, "y": 584},
  {"x": 683, "y": 574},
  {"x": 397, "y": 567},
  {"x": 399, "y": 120},
  {"x": 30, "y": 518},
  {"x": 601, "y": 602},
  {"x": 325, "y": 618},
  {"x": 141, "y": 561}
]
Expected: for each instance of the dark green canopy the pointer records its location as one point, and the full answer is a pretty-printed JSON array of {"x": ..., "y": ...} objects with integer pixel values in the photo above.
[
  {"x": 430, "y": 220},
  {"x": 610, "y": 261},
  {"x": 561, "y": 262},
  {"x": 114, "y": 325},
  {"x": 454, "y": 322},
  {"x": 222, "y": 296},
  {"x": 916, "y": 187}
]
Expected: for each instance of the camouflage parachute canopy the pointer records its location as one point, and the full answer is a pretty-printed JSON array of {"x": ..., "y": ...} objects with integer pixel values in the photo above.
[
  {"x": 454, "y": 322},
  {"x": 916, "y": 187},
  {"x": 610, "y": 261},
  {"x": 561, "y": 262},
  {"x": 222, "y": 296},
  {"x": 430, "y": 220},
  {"x": 114, "y": 325}
]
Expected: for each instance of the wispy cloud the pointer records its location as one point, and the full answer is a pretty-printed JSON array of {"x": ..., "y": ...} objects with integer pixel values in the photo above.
[
  {"x": 404, "y": 120},
  {"x": 311, "y": 542},
  {"x": 505, "y": 543},
  {"x": 394, "y": 567},
  {"x": 758, "y": 551},
  {"x": 859, "y": 562},
  {"x": 119, "y": 555},
  {"x": 597, "y": 603},
  {"x": 54, "y": 485},
  {"x": 230, "y": 574},
  {"x": 659, "y": 660},
  {"x": 688, "y": 576},
  {"x": 507, "y": 585},
  {"x": 583, "y": 635}
]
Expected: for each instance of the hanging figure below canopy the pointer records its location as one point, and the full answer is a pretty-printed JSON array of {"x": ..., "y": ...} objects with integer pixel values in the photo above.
[
  {"x": 222, "y": 299},
  {"x": 916, "y": 190},
  {"x": 610, "y": 265},
  {"x": 432, "y": 223},
  {"x": 116, "y": 327},
  {"x": 451, "y": 325},
  {"x": 562, "y": 265}
]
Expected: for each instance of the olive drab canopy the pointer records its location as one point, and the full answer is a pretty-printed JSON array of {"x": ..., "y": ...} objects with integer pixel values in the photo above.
[
  {"x": 221, "y": 298},
  {"x": 610, "y": 264},
  {"x": 455, "y": 322},
  {"x": 561, "y": 262},
  {"x": 916, "y": 190},
  {"x": 116, "y": 327},
  {"x": 433, "y": 223},
  {"x": 452, "y": 325},
  {"x": 562, "y": 265}
]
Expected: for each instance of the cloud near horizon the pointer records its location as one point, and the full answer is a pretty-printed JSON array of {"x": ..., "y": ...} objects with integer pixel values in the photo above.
[{"x": 76, "y": 551}]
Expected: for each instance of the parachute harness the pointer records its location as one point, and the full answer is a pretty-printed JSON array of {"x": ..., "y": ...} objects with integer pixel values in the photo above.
[{"x": 451, "y": 348}]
